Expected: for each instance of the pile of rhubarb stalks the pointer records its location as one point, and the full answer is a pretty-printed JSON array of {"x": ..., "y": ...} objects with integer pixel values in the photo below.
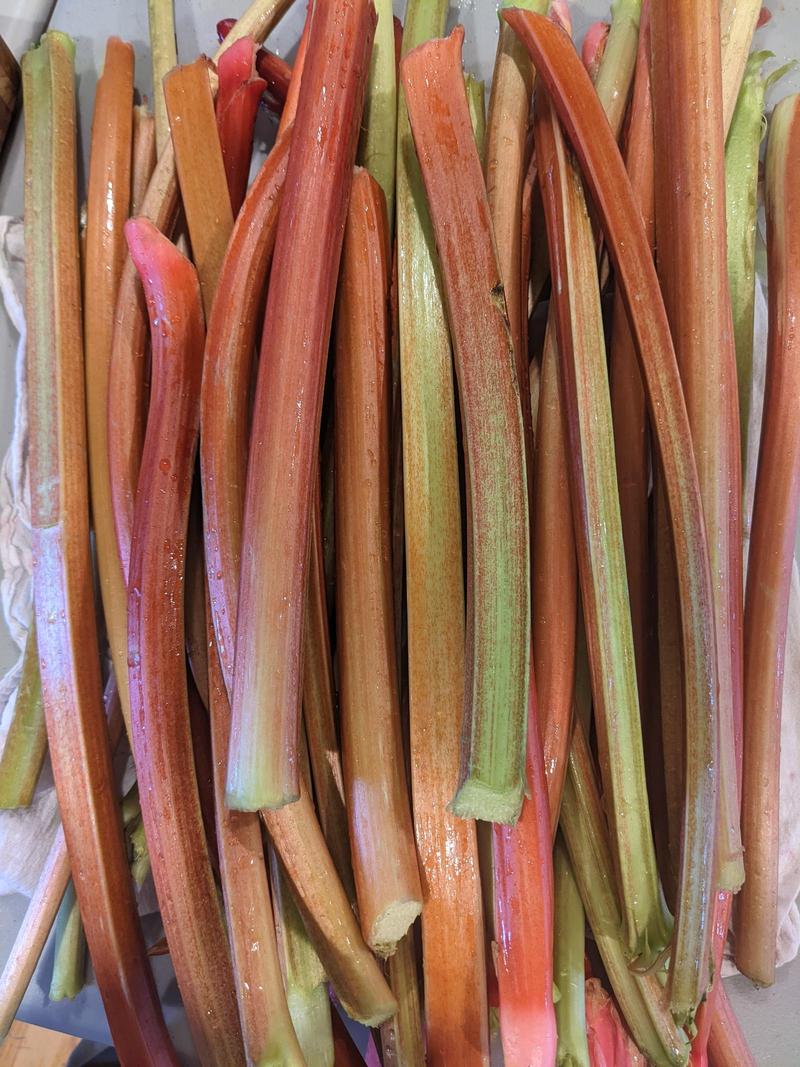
[{"x": 409, "y": 478}]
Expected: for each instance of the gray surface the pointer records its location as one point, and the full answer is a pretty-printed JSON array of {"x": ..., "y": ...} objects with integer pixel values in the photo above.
[{"x": 770, "y": 1017}]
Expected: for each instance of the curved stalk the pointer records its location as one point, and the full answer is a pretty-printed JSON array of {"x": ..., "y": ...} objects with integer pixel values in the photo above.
[{"x": 238, "y": 97}]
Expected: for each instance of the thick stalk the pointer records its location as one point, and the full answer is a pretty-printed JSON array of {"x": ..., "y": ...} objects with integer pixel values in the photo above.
[
  {"x": 583, "y": 383},
  {"x": 163, "y": 57},
  {"x": 262, "y": 762},
  {"x": 402, "y": 1037},
  {"x": 69, "y": 958},
  {"x": 26, "y": 738},
  {"x": 491, "y": 781},
  {"x": 379, "y": 126},
  {"x": 63, "y": 593},
  {"x": 453, "y": 958},
  {"x": 162, "y": 741},
  {"x": 771, "y": 557},
  {"x": 690, "y": 228},
  {"x": 604, "y": 171},
  {"x": 239, "y": 95},
  {"x": 303, "y": 976},
  {"x": 569, "y": 967},
  {"x": 381, "y": 837},
  {"x": 108, "y": 201}
]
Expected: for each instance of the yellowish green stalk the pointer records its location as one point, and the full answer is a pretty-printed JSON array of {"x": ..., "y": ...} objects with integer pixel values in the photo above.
[
  {"x": 26, "y": 740},
  {"x": 569, "y": 943},
  {"x": 615, "y": 76},
  {"x": 377, "y": 148},
  {"x": 163, "y": 57},
  {"x": 476, "y": 101},
  {"x": 69, "y": 962}
]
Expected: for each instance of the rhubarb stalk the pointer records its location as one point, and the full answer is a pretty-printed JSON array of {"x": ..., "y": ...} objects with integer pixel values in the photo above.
[
  {"x": 159, "y": 701},
  {"x": 491, "y": 781},
  {"x": 163, "y": 57},
  {"x": 453, "y": 957},
  {"x": 239, "y": 94},
  {"x": 26, "y": 740},
  {"x": 770, "y": 561},
  {"x": 69, "y": 955},
  {"x": 379, "y": 135},
  {"x": 737, "y": 23},
  {"x": 143, "y": 156},
  {"x": 569, "y": 968},
  {"x": 402, "y": 1037},
  {"x": 108, "y": 200},
  {"x": 615, "y": 71},
  {"x": 381, "y": 837},
  {"x": 63, "y": 593},
  {"x": 262, "y": 762}
]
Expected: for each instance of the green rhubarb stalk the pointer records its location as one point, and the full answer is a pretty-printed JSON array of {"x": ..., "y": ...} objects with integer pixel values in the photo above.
[
  {"x": 476, "y": 102},
  {"x": 26, "y": 740},
  {"x": 569, "y": 943},
  {"x": 376, "y": 150},
  {"x": 69, "y": 962},
  {"x": 134, "y": 833},
  {"x": 453, "y": 957},
  {"x": 741, "y": 199},
  {"x": 163, "y": 57},
  {"x": 303, "y": 974},
  {"x": 615, "y": 75}
]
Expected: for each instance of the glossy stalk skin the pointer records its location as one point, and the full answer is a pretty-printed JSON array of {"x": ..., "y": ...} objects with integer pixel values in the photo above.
[
  {"x": 204, "y": 191},
  {"x": 594, "y": 45},
  {"x": 604, "y": 171},
  {"x": 504, "y": 167},
  {"x": 293, "y": 93},
  {"x": 741, "y": 207},
  {"x": 379, "y": 134},
  {"x": 69, "y": 957},
  {"x": 569, "y": 968},
  {"x": 640, "y": 997},
  {"x": 402, "y": 1037},
  {"x": 771, "y": 555},
  {"x": 523, "y": 919},
  {"x": 584, "y": 389},
  {"x": 127, "y": 404},
  {"x": 277, "y": 73},
  {"x": 737, "y": 22},
  {"x": 239, "y": 95},
  {"x": 306, "y": 991},
  {"x": 381, "y": 836},
  {"x": 555, "y": 578},
  {"x": 690, "y": 226},
  {"x": 143, "y": 156},
  {"x": 163, "y": 57},
  {"x": 108, "y": 201},
  {"x": 63, "y": 590},
  {"x": 228, "y": 359},
  {"x": 628, "y": 401},
  {"x": 162, "y": 741},
  {"x": 453, "y": 958},
  {"x": 491, "y": 781},
  {"x": 26, "y": 740},
  {"x": 262, "y": 762},
  {"x": 727, "y": 1045},
  {"x": 616, "y": 67}
]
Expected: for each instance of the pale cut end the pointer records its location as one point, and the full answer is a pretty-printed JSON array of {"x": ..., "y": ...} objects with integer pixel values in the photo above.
[
  {"x": 379, "y": 1011},
  {"x": 392, "y": 925},
  {"x": 476, "y": 800},
  {"x": 238, "y": 798}
]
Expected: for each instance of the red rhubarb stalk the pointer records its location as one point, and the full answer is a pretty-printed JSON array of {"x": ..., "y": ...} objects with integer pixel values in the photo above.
[
  {"x": 293, "y": 93},
  {"x": 237, "y": 106},
  {"x": 262, "y": 763},
  {"x": 159, "y": 702}
]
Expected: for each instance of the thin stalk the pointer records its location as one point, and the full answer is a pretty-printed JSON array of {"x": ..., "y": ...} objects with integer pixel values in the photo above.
[
  {"x": 266, "y": 1019},
  {"x": 491, "y": 781},
  {"x": 402, "y": 1037},
  {"x": 228, "y": 359},
  {"x": 162, "y": 742},
  {"x": 504, "y": 167},
  {"x": 628, "y": 401},
  {"x": 598, "y": 536},
  {"x": 68, "y": 652},
  {"x": 163, "y": 57},
  {"x": 293, "y": 93},
  {"x": 727, "y": 1045},
  {"x": 303, "y": 976},
  {"x": 239, "y": 95},
  {"x": 609, "y": 1038},
  {"x": 69, "y": 960},
  {"x": 277, "y": 73},
  {"x": 381, "y": 836},
  {"x": 723, "y": 904},
  {"x": 604, "y": 172},
  {"x": 569, "y": 969},
  {"x": 641, "y": 998},
  {"x": 127, "y": 404},
  {"x": 737, "y": 22},
  {"x": 195, "y": 601},
  {"x": 771, "y": 556},
  {"x": 204, "y": 192},
  {"x": 379, "y": 126},
  {"x": 523, "y": 920},
  {"x": 690, "y": 230},
  {"x": 453, "y": 957},
  {"x": 555, "y": 578},
  {"x": 143, "y": 156},
  {"x": 593, "y": 47},
  {"x": 108, "y": 201},
  {"x": 742, "y": 146},
  {"x": 26, "y": 740},
  {"x": 616, "y": 67},
  {"x": 262, "y": 761},
  {"x": 476, "y": 102}
]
